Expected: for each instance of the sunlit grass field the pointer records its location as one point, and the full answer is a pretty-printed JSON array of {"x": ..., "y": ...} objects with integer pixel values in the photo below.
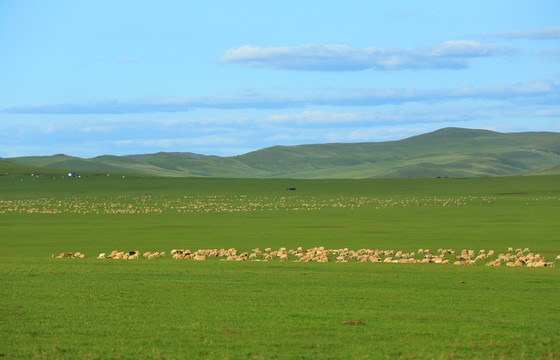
[{"x": 177, "y": 309}]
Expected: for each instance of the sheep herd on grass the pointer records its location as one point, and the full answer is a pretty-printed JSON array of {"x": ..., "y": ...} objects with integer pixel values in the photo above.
[
  {"x": 130, "y": 255},
  {"x": 512, "y": 257}
]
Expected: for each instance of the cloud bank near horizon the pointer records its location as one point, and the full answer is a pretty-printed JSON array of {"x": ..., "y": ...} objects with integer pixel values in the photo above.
[
  {"x": 545, "y": 91},
  {"x": 549, "y": 33}
]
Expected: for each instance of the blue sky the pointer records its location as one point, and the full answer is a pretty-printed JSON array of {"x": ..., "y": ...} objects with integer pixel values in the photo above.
[{"x": 88, "y": 78}]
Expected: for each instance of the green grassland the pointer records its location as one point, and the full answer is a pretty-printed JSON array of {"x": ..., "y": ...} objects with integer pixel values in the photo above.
[{"x": 174, "y": 309}]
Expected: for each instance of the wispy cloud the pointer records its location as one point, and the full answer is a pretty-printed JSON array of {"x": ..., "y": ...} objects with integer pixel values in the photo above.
[
  {"x": 316, "y": 117},
  {"x": 546, "y": 91},
  {"x": 350, "y": 134},
  {"x": 187, "y": 141},
  {"x": 448, "y": 55},
  {"x": 551, "y": 53},
  {"x": 549, "y": 33},
  {"x": 97, "y": 128},
  {"x": 533, "y": 111},
  {"x": 127, "y": 60},
  {"x": 372, "y": 134},
  {"x": 311, "y": 118}
]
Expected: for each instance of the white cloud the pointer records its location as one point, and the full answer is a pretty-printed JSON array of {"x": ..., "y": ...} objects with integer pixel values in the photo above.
[
  {"x": 290, "y": 136},
  {"x": 216, "y": 140},
  {"x": 373, "y": 134},
  {"x": 533, "y": 87},
  {"x": 315, "y": 117},
  {"x": 551, "y": 53},
  {"x": 127, "y": 60},
  {"x": 536, "y": 34},
  {"x": 47, "y": 128},
  {"x": 467, "y": 48},
  {"x": 448, "y": 55},
  {"x": 374, "y": 117},
  {"x": 97, "y": 128},
  {"x": 358, "y": 133},
  {"x": 172, "y": 142},
  {"x": 533, "y": 111},
  {"x": 547, "y": 90},
  {"x": 207, "y": 120}
]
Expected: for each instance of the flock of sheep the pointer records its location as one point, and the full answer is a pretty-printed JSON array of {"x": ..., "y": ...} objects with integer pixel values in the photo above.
[
  {"x": 151, "y": 204},
  {"x": 512, "y": 257}
]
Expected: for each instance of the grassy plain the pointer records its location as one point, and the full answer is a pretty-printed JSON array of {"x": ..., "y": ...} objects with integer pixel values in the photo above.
[{"x": 165, "y": 308}]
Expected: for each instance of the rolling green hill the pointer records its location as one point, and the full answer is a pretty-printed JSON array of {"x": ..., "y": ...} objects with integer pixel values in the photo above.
[
  {"x": 554, "y": 170},
  {"x": 451, "y": 152},
  {"x": 12, "y": 168}
]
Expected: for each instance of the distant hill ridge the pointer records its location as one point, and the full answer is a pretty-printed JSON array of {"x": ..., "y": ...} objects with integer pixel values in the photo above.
[{"x": 452, "y": 152}]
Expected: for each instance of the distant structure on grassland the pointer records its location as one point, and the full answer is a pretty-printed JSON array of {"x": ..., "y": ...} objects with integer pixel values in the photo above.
[{"x": 72, "y": 174}]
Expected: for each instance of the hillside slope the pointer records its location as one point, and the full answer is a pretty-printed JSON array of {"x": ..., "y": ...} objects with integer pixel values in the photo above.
[{"x": 452, "y": 152}]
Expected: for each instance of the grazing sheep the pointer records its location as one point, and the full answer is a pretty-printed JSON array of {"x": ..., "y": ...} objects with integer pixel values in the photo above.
[{"x": 321, "y": 254}]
